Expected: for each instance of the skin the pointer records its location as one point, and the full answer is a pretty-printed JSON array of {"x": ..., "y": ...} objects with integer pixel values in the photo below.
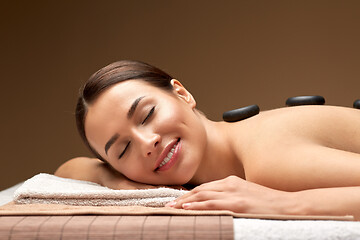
[{"x": 299, "y": 160}]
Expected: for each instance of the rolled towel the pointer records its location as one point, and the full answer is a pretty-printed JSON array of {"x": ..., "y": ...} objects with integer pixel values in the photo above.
[{"x": 50, "y": 189}]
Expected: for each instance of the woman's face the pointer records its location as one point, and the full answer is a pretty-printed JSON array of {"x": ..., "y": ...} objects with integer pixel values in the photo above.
[{"x": 148, "y": 134}]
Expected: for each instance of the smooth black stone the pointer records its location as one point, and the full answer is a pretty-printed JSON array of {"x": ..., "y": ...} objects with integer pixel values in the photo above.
[
  {"x": 241, "y": 113},
  {"x": 305, "y": 100}
]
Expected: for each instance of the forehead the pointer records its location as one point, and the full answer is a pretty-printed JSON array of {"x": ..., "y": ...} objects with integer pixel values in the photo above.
[
  {"x": 121, "y": 95},
  {"x": 126, "y": 90}
]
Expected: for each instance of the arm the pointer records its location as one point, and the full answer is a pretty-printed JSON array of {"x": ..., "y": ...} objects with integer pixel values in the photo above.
[
  {"x": 330, "y": 201},
  {"x": 94, "y": 170},
  {"x": 315, "y": 181},
  {"x": 238, "y": 195}
]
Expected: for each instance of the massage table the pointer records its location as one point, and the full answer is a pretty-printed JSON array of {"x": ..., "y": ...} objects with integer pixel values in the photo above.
[{"x": 92, "y": 225}]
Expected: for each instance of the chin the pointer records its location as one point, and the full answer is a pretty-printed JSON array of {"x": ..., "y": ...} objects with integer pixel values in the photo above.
[
  {"x": 175, "y": 180},
  {"x": 186, "y": 175}
]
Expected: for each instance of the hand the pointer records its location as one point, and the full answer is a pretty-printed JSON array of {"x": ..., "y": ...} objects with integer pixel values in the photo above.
[{"x": 234, "y": 194}]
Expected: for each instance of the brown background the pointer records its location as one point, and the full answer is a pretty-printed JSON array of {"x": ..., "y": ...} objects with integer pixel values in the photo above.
[{"x": 228, "y": 53}]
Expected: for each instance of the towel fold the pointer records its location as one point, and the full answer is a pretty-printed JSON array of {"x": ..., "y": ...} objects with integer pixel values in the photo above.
[
  {"x": 50, "y": 189},
  {"x": 46, "y": 194}
]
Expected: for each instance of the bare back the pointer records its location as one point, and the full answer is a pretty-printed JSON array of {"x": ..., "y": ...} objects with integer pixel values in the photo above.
[{"x": 302, "y": 147}]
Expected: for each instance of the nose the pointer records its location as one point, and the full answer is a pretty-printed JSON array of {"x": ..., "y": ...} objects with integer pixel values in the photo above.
[{"x": 147, "y": 142}]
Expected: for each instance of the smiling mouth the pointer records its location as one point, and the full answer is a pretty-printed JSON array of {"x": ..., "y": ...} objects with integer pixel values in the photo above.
[{"x": 168, "y": 156}]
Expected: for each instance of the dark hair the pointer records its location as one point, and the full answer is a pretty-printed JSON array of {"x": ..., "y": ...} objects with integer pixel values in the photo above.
[{"x": 110, "y": 75}]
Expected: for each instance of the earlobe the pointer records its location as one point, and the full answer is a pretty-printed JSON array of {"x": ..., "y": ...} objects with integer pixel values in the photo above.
[{"x": 182, "y": 93}]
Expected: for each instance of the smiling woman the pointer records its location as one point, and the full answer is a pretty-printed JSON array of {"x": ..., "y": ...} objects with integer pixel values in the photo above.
[
  {"x": 134, "y": 126},
  {"x": 145, "y": 127}
]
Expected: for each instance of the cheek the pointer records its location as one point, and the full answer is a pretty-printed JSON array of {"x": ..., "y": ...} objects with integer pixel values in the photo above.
[
  {"x": 169, "y": 121},
  {"x": 173, "y": 113},
  {"x": 132, "y": 170}
]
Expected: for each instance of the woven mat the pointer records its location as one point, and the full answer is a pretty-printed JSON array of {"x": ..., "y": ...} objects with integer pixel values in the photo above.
[
  {"x": 12, "y": 209},
  {"x": 116, "y": 227}
]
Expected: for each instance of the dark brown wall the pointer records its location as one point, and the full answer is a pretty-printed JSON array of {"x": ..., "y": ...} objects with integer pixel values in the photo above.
[{"x": 228, "y": 53}]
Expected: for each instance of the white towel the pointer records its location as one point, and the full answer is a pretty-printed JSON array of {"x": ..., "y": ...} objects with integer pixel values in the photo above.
[
  {"x": 50, "y": 189},
  {"x": 259, "y": 229}
]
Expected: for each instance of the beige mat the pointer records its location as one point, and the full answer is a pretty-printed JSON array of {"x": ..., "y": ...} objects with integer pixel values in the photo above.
[
  {"x": 12, "y": 209},
  {"x": 116, "y": 227}
]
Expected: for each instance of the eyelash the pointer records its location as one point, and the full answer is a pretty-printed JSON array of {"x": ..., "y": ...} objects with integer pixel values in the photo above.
[
  {"x": 149, "y": 115},
  {"x": 123, "y": 152},
  {"x": 146, "y": 118}
]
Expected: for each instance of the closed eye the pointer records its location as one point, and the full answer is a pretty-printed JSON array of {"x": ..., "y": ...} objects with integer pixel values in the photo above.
[
  {"x": 149, "y": 115},
  {"x": 123, "y": 152}
]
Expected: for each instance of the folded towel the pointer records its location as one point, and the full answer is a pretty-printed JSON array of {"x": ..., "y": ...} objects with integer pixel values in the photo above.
[{"x": 50, "y": 189}]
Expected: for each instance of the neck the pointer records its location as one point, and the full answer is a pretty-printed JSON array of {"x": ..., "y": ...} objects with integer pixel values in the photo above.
[{"x": 220, "y": 159}]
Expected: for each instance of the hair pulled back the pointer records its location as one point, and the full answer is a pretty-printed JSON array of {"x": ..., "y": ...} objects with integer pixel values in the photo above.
[{"x": 107, "y": 77}]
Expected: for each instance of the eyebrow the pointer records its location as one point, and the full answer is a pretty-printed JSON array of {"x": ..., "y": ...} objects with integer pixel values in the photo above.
[
  {"x": 111, "y": 142},
  {"x": 133, "y": 106},
  {"x": 129, "y": 115}
]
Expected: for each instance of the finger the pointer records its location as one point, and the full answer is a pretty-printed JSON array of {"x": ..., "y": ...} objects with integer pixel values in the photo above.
[
  {"x": 199, "y": 197},
  {"x": 210, "y": 186},
  {"x": 228, "y": 184},
  {"x": 216, "y": 204}
]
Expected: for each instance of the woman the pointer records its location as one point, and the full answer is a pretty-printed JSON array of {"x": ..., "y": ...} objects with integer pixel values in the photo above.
[{"x": 143, "y": 126}]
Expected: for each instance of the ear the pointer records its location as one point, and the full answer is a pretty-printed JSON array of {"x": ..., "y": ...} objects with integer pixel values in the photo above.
[{"x": 182, "y": 93}]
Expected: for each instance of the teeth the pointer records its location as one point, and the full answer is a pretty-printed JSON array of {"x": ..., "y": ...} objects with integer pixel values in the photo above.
[{"x": 169, "y": 155}]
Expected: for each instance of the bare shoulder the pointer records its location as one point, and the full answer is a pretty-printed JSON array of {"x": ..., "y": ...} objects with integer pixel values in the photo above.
[{"x": 305, "y": 147}]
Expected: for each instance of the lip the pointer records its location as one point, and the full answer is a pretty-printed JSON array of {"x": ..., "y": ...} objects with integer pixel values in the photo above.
[{"x": 165, "y": 152}]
